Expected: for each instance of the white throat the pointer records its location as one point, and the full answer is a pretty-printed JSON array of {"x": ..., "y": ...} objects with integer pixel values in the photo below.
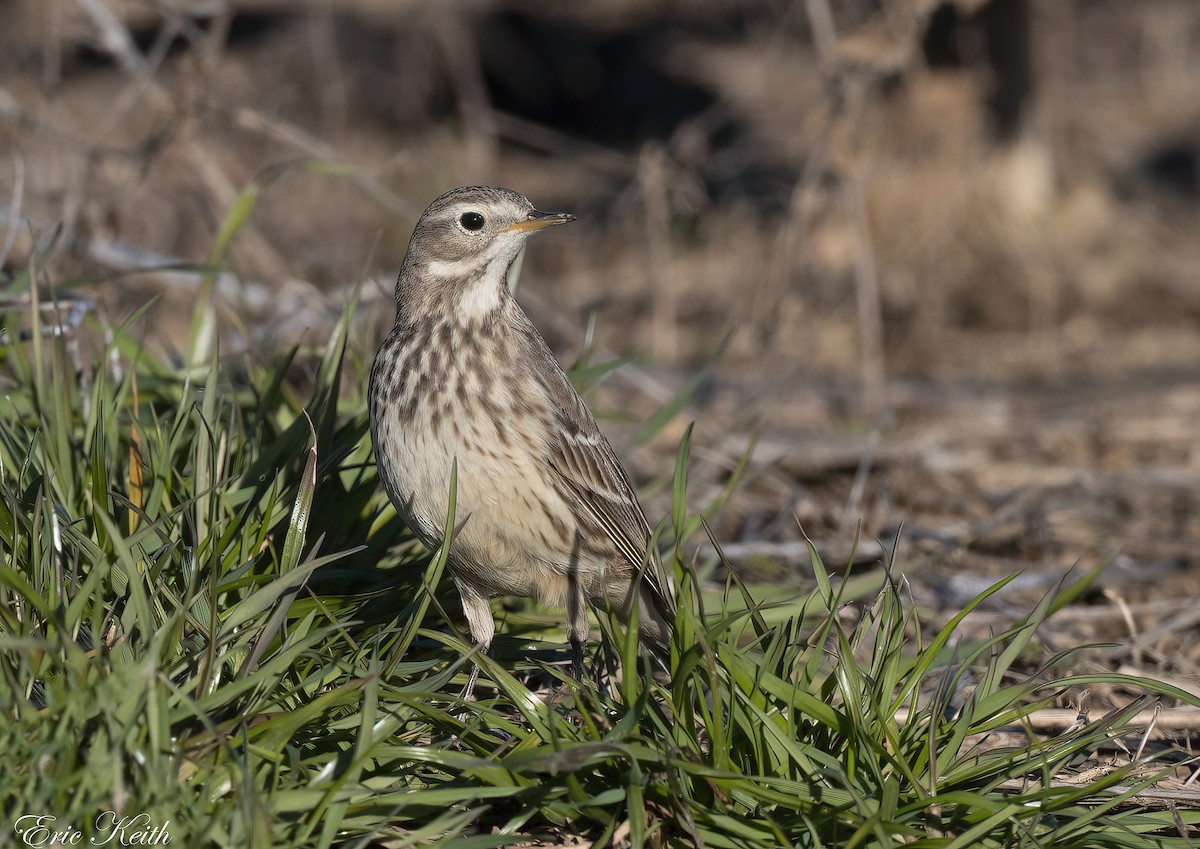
[
  {"x": 486, "y": 291},
  {"x": 481, "y": 298}
]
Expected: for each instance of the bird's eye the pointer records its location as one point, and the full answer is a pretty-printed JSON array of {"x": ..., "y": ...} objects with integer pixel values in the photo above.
[{"x": 471, "y": 221}]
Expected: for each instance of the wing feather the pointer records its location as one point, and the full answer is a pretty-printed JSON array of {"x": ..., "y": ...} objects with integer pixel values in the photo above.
[{"x": 586, "y": 466}]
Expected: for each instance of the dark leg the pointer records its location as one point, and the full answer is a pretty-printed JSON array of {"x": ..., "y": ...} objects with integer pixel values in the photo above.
[
  {"x": 577, "y": 657},
  {"x": 577, "y": 626}
]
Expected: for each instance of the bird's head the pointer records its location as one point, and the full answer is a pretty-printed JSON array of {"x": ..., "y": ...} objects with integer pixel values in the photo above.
[{"x": 462, "y": 248}]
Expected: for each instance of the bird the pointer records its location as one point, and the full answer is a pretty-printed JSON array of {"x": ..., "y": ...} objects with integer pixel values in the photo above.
[{"x": 464, "y": 382}]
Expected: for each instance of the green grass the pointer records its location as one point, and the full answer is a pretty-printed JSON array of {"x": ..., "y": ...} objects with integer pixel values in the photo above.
[{"x": 209, "y": 615}]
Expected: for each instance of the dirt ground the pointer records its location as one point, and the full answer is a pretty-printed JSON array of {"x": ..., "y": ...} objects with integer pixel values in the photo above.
[{"x": 955, "y": 246}]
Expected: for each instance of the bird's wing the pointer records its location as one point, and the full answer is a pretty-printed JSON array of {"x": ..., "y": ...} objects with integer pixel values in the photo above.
[
  {"x": 588, "y": 468},
  {"x": 586, "y": 465}
]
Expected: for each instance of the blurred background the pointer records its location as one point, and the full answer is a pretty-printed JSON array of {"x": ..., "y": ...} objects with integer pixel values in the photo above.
[{"x": 954, "y": 245}]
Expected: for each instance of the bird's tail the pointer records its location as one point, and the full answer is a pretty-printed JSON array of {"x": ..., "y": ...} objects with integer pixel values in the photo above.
[
  {"x": 656, "y": 621},
  {"x": 655, "y": 611}
]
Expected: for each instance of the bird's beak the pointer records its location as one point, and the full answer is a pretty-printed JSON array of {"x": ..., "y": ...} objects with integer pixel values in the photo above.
[{"x": 538, "y": 220}]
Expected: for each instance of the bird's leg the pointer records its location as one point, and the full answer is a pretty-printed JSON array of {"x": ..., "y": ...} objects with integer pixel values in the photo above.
[
  {"x": 469, "y": 693},
  {"x": 576, "y": 658},
  {"x": 577, "y": 625},
  {"x": 480, "y": 622}
]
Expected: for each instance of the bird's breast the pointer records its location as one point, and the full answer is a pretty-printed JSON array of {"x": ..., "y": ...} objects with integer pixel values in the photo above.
[{"x": 469, "y": 403}]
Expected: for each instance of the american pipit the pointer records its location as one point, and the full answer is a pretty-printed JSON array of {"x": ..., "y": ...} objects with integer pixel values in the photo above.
[{"x": 544, "y": 508}]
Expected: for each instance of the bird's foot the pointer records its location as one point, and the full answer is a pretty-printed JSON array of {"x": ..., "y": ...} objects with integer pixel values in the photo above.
[{"x": 577, "y": 669}]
